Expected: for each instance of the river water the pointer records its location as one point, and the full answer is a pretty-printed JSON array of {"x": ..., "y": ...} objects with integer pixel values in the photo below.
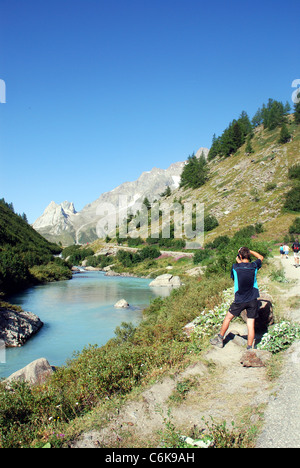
[{"x": 77, "y": 313}]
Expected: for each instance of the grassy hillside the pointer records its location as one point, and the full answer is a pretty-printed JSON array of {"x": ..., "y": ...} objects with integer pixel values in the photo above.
[
  {"x": 25, "y": 256},
  {"x": 251, "y": 188}
]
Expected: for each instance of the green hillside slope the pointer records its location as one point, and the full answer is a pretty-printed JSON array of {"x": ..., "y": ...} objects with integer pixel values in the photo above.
[
  {"x": 24, "y": 253},
  {"x": 245, "y": 188}
]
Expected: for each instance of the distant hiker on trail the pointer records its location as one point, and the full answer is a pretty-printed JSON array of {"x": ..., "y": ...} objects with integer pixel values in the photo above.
[
  {"x": 281, "y": 250},
  {"x": 246, "y": 291},
  {"x": 286, "y": 250},
  {"x": 296, "y": 248}
]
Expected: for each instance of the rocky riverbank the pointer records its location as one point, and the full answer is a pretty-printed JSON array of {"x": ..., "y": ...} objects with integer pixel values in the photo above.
[{"x": 17, "y": 326}]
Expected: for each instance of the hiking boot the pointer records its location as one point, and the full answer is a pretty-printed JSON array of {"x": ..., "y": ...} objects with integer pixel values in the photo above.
[{"x": 217, "y": 341}]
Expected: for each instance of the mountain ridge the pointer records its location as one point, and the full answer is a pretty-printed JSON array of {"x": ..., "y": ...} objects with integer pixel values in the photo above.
[{"x": 61, "y": 222}]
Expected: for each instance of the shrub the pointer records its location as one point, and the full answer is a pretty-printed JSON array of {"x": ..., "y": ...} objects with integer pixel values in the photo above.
[
  {"x": 210, "y": 223},
  {"x": 280, "y": 337},
  {"x": 134, "y": 242},
  {"x": 219, "y": 242},
  {"x": 294, "y": 172},
  {"x": 14, "y": 272},
  {"x": 270, "y": 186},
  {"x": 68, "y": 251},
  {"x": 149, "y": 252},
  {"x": 295, "y": 227},
  {"x": 53, "y": 271},
  {"x": 292, "y": 200},
  {"x": 201, "y": 255}
]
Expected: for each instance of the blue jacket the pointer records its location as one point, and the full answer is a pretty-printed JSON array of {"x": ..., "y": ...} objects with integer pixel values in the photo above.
[{"x": 245, "y": 281}]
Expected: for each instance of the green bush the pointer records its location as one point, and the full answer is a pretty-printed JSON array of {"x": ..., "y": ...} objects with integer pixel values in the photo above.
[
  {"x": 219, "y": 243},
  {"x": 294, "y": 172},
  {"x": 53, "y": 271},
  {"x": 292, "y": 200},
  {"x": 76, "y": 254},
  {"x": 270, "y": 186},
  {"x": 128, "y": 259},
  {"x": 134, "y": 242},
  {"x": 295, "y": 227},
  {"x": 280, "y": 337},
  {"x": 149, "y": 252},
  {"x": 14, "y": 273},
  {"x": 201, "y": 255},
  {"x": 210, "y": 223}
]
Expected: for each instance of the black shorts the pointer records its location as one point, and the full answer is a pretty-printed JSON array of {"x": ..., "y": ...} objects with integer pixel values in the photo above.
[{"x": 237, "y": 308}]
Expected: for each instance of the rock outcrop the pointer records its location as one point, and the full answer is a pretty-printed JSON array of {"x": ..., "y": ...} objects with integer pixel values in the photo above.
[
  {"x": 17, "y": 327},
  {"x": 265, "y": 313},
  {"x": 166, "y": 280},
  {"x": 36, "y": 373}
]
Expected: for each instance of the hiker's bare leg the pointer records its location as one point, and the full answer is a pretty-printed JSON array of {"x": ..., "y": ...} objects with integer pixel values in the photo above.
[
  {"x": 251, "y": 331},
  {"x": 226, "y": 323}
]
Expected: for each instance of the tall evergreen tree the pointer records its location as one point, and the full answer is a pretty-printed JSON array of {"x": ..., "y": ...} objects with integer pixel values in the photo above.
[
  {"x": 249, "y": 148},
  {"x": 284, "y": 134},
  {"x": 146, "y": 203},
  {"x": 215, "y": 148},
  {"x": 195, "y": 172}
]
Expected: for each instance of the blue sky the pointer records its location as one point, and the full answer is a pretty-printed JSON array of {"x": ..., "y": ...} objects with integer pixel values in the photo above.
[{"x": 98, "y": 91}]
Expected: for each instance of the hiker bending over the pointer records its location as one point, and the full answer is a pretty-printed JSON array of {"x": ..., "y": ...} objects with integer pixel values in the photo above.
[{"x": 246, "y": 291}]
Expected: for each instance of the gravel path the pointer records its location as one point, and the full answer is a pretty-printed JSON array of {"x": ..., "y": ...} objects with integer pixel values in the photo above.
[{"x": 282, "y": 418}]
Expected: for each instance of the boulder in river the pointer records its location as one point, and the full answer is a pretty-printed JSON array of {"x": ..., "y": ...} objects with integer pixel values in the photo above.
[
  {"x": 35, "y": 373},
  {"x": 122, "y": 304},
  {"x": 16, "y": 327}
]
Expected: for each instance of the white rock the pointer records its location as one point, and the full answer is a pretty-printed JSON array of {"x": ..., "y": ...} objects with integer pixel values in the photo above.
[
  {"x": 122, "y": 304},
  {"x": 166, "y": 280}
]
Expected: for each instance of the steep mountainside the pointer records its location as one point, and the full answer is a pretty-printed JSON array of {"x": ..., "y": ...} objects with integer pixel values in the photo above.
[
  {"x": 21, "y": 248},
  {"x": 250, "y": 188}
]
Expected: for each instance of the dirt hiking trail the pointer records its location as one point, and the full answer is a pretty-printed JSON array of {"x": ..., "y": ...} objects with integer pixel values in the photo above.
[{"x": 282, "y": 417}]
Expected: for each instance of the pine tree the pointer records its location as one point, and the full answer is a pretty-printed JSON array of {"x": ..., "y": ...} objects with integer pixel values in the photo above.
[
  {"x": 215, "y": 148},
  {"x": 285, "y": 135},
  {"x": 249, "y": 148},
  {"x": 195, "y": 172},
  {"x": 146, "y": 203},
  {"x": 258, "y": 118}
]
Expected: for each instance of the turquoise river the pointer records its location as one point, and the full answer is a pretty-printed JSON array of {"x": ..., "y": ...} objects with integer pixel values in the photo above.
[{"x": 77, "y": 313}]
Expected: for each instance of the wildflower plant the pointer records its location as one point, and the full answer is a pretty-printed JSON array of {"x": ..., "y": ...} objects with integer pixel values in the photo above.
[
  {"x": 210, "y": 320},
  {"x": 280, "y": 337}
]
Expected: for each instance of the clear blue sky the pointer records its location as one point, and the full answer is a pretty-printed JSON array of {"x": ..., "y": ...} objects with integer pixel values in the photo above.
[{"x": 98, "y": 91}]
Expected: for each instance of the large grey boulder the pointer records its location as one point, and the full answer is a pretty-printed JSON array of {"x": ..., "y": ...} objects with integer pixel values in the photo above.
[
  {"x": 166, "y": 280},
  {"x": 35, "y": 373},
  {"x": 17, "y": 327},
  {"x": 265, "y": 313}
]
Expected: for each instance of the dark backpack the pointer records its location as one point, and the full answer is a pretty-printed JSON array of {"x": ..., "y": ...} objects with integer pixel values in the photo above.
[{"x": 296, "y": 247}]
